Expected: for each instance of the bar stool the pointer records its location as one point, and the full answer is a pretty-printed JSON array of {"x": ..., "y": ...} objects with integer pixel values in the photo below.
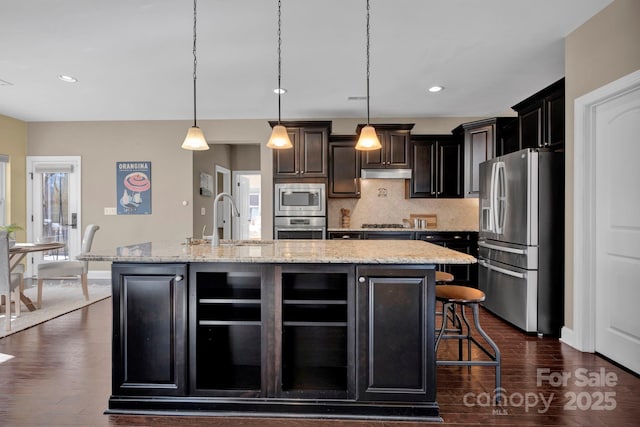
[
  {"x": 442, "y": 278},
  {"x": 464, "y": 296}
]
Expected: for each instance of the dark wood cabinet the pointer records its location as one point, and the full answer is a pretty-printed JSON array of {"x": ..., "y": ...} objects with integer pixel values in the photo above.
[
  {"x": 541, "y": 118},
  {"x": 437, "y": 166},
  {"x": 481, "y": 139},
  {"x": 149, "y": 329},
  {"x": 308, "y": 157},
  {"x": 465, "y": 242},
  {"x": 395, "y": 331},
  {"x": 389, "y": 235},
  {"x": 344, "y": 167},
  {"x": 394, "y": 153},
  {"x": 345, "y": 235}
]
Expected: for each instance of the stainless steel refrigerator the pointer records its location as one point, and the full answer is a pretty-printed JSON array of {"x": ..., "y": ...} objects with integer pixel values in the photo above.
[{"x": 521, "y": 239}]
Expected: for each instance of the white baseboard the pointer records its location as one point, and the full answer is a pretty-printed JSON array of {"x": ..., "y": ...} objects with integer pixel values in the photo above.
[
  {"x": 568, "y": 337},
  {"x": 99, "y": 274}
]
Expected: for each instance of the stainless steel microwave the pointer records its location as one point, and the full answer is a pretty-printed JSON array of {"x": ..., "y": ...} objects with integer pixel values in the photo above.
[{"x": 297, "y": 199}]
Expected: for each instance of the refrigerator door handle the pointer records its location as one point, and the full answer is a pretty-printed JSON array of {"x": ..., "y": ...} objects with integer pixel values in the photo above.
[
  {"x": 502, "y": 270},
  {"x": 502, "y": 248},
  {"x": 499, "y": 197},
  {"x": 492, "y": 198}
]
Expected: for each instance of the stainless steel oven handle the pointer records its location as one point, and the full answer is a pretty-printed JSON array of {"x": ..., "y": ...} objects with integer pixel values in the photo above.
[
  {"x": 298, "y": 229},
  {"x": 502, "y": 248},
  {"x": 502, "y": 270}
]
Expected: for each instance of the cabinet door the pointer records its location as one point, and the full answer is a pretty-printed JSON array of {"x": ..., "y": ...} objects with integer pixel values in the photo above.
[
  {"x": 554, "y": 120},
  {"x": 450, "y": 176},
  {"x": 395, "y": 334},
  {"x": 344, "y": 170},
  {"x": 149, "y": 329},
  {"x": 313, "y": 152},
  {"x": 375, "y": 159},
  {"x": 285, "y": 162},
  {"x": 396, "y": 148},
  {"x": 531, "y": 127},
  {"x": 423, "y": 176},
  {"x": 393, "y": 154},
  {"x": 479, "y": 147},
  {"x": 507, "y": 138}
]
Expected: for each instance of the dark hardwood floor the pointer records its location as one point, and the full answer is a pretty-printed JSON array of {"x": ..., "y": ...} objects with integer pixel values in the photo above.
[{"x": 60, "y": 376}]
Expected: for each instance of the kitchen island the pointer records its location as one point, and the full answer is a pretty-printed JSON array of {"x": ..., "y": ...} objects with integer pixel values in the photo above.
[{"x": 295, "y": 328}]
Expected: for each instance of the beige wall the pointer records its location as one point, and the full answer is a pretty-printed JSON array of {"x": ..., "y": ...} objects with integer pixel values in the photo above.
[
  {"x": 600, "y": 51},
  {"x": 13, "y": 142},
  {"x": 175, "y": 172},
  {"x": 245, "y": 157}
]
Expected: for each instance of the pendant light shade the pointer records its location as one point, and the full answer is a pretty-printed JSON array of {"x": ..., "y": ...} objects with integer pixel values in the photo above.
[
  {"x": 195, "y": 139},
  {"x": 279, "y": 137},
  {"x": 368, "y": 140}
]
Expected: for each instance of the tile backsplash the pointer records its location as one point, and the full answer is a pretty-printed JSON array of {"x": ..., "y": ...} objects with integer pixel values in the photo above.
[{"x": 383, "y": 201}]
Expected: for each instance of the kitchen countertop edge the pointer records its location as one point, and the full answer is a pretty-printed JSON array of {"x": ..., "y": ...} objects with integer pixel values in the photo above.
[{"x": 286, "y": 251}]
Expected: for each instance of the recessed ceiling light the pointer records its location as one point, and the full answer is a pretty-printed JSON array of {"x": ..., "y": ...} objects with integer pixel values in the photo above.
[
  {"x": 67, "y": 79},
  {"x": 279, "y": 90},
  {"x": 434, "y": 89}
]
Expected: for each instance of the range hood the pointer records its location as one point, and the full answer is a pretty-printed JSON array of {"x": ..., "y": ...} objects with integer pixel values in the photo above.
[{"x": 386, "y": 173}]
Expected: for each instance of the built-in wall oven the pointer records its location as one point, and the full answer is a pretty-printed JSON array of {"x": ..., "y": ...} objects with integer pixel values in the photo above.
[
  {"x": 293, "y": 227},
  {"x": 300, "y": 211}
]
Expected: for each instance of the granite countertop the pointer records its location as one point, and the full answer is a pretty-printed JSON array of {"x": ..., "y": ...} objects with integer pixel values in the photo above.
[{"x": 286, "y": 251}]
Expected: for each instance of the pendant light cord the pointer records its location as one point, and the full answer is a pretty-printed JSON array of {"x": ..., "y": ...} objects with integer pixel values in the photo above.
[
  {"x": 279, "y": 56},
  {"x": 368, "y": 57},
  {"x": 195, "y": 60}
]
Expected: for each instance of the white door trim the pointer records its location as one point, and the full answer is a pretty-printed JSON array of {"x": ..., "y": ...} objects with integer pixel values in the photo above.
[{"x": 582, "y": 337}]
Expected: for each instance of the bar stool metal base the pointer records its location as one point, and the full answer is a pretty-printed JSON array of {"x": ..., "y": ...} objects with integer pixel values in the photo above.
[{"x": 449, "y": 303}]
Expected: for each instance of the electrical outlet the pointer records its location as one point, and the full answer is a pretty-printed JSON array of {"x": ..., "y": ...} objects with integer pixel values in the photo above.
[
  {"x": 203, "y": 211},
  {"x": 110, "y": 211}
]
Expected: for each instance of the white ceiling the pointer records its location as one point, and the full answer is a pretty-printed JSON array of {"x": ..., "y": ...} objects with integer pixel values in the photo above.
[{"x": 133, "y": 58}]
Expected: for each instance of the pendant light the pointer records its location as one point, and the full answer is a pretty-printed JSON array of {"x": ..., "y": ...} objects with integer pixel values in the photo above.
[
  {"x": 368, "y": 138},
  {"x": 195, "y": 139},
  {"x": 279, "y": 137}
]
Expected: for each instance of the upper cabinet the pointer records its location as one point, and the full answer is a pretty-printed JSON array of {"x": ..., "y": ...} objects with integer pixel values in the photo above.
[
  {"x": 395, "y": 140},
  {"x": 437, "y": 166},
  {"x": 308, "y": 157},
  {"x": 541, "y": 118},
  {"x": 344, "y": 167},
  {"x": 481, "y": 141}
]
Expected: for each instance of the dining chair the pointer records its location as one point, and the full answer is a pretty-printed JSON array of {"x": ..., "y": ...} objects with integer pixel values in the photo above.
[
  {"x": 10, "y": 283},
  {"x": 59, "y": 270}
]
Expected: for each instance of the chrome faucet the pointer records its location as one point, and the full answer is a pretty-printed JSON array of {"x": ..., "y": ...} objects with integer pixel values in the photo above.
[{"x": 215, "y": 239}]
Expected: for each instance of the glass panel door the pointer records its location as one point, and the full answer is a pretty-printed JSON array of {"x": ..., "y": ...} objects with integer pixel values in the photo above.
[{"x": 53, "y": 205}]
